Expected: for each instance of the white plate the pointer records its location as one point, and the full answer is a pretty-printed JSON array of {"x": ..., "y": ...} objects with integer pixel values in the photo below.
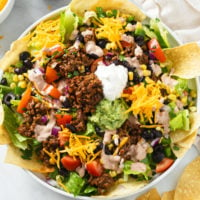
[{"x": 41, "y": 179}]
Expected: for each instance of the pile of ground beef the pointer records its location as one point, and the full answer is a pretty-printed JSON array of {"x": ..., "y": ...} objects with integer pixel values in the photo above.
[{"x": 34, "y": 112}]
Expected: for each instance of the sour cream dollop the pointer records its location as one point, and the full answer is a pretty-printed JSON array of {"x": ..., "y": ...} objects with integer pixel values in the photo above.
[{"x": 114, "y": 79}]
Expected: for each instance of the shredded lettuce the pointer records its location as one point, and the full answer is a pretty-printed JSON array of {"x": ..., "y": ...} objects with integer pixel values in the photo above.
[
  {"x": 11, "y": 123},
  {"x": 68, "y": 23},
  {"x": 141, "y": 175},
  {"x": 160, "y": 32},
  {"x": 181, "y": 86},
  {"x": 90, "y": 129}
]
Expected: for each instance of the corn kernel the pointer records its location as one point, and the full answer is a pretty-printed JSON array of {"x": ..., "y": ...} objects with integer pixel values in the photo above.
[
  {"x": 193, "y": 94},
  {"x": 12, "y": 85},
  {"x": 143, "y": 67},
  {"x": 15, "y": 78},
  {"x": 25, "y": 75},
  {"x": 184, "y": 100},
  {"x": 130, "y": 76},
  {"x": 158, "y": 128},
  {"x": 82, "y": 69},
  {"x": 112, "y": 173},
  {"x": 150, "y": 150},
  {"x": 172, "y": 97},
  {"x": 20, "y": 77},
  {"x": 146, "y": 72},
  {"x": 111, "y": 45},
  {"x": 193, "y": 109},
  {"x": 110, "y": 146},
  {"x": 22, "y": 84}
]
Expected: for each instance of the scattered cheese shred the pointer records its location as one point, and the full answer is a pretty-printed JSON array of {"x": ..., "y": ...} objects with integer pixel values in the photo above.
[
  {"x": 112, "y": 29},
  {"x": 145, "y": 100},
  {"x": 122, "y": 143},
  {"x": 81, "y": 146},
  {"x": 45, "y": 35}
]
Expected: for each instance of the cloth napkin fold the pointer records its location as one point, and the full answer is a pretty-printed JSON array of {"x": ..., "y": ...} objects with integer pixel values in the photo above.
[{"x": 182, "y": 16}]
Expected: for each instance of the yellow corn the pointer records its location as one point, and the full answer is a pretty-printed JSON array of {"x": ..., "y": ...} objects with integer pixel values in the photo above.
[
  {"x": 15, "y": 78},
  {"x": 172, "y": 97},
  {"x": 193, "y": 109},
  {"x": 130, "y": 76},
  {"x": 150, "y": 150},
  {"x": 12, "y": 85},
  {"x": 22, "y": 84},
  {"x": 82, "y": 69},
  {"x": 143, "y": 67},
  {"x": 112, "y": 173},
  {"x": 20, "y": 77},
  {"x": 184, "y": 100},
  {"x": 146, "y": 72},
  {"x": 193, "y": 94}
]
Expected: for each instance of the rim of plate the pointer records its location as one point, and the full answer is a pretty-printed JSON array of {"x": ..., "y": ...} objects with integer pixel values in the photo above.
[{"x": 140, "y": 190}]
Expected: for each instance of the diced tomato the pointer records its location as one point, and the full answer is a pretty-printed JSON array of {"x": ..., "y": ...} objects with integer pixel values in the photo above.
[
  {"x": 56, "y": 50},
  {"x": 164, "y": 165},
  {"x": 95, "y": 63},
  {"x": 125, "y": 44},
  {"x": 63, "y": 119},
  {"x": 94, "y": 168},
  {"x": 63, "y": 138},
  {"x": 55, "y": 93},
  {"x": 70, "y": 163},
  {"x": 24, "y": 100},
  {"x": 127, "y": 91},
  {"x": 156, "y": 50},
  {"x": 51, "y": 75}
]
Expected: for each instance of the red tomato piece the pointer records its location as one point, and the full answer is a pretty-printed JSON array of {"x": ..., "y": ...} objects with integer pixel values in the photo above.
[
  {"x": 94, "y": 168},
  {"x": 63, "y": 119},
  {"x": 55, "y": 93},
  {"x": 125, "y": 44},
  {"x": 51, "y": 75},
  {"x": 164, "y": 165},
  {"x": 70, "y": 163},
  {"x": 156, "y": 50},
  {"x": 56, "y": 50},
  {"x": 63, "y": 138}
]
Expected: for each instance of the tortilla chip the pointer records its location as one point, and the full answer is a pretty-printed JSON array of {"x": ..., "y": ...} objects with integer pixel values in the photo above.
[
  {"x": 4, "y": 137},
  {"x": 168, "y": 195},
  {"x": 188, "y": 185},
  {"x": 125, "y": 6},
  {"x": 12, "y": 56},
  {"x": 13, "y": 156},
  {"x": 179, "y": 135},
  {"x": 150, "y": 195},
  {"x": 185, "y": 60}
]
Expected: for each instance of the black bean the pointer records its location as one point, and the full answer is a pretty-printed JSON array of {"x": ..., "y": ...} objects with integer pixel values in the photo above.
[
  {"x": 99, "y": 132},
  {"x": 107, "y": 150},
  {"x": 18, "y": 70},
  {"x": 80, "y": 38},
  {"x": 147, "y": 134},
  {"x": 99, "y": 147},
  {"x": 28, "y": 64},
  {"x": 156, "y": 133},
  {"x": 63, "y": 172},
  {"x": 102, "y": 43},
  {"x": 66, "y": 103},
  {"x": 4, "y": 81},
  {"x": 139, "y": 39},
  {"x": 24, "y": 55},
  {"x": 94, "y": 56},
  {"x": 8, "y": 97},
  {"x": 158, "y": 156},
  {"x": 71, "y": 128},
  {"x": 158, "y": 148}
]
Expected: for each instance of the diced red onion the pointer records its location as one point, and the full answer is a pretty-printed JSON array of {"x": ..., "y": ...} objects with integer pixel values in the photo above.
[
  {"x": 155, "y": 142},
  {"x": 109, "y": 54},
  {"x": 151, "y": 56},
  {"x": 44, "y": 119},
  {"x": 55, "y": 130},
  {"x": 41, "y": 69}
]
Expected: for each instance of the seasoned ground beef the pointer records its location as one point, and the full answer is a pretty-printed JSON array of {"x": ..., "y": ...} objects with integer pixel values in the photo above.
[
  {"x": 32, "y": 116},
  {"x": 85, "y": 92},
  {"x": 72, "y": 61},
  {"x": 103, "y": 182},
  {"x": 51, "y": 144}
]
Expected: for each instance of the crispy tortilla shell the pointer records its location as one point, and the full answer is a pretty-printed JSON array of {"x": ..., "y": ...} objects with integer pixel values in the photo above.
[
  {"x": 188, "y": 185},
  {"x": 13, "y": 156},
  {"x": 168, "y": 195},
  {"x": 152, "y": 194},
  {"x": 125, "y": 6},
  {"x": 185, "y": 60}
]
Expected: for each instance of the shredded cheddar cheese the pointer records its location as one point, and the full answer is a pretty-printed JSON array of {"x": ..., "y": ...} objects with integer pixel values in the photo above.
[
  {"x": 82, "y": 147},
  {"x": 46, "y": 35},
  {"x": 112, "y": 29},
  {"x": 145, "y": 100}
]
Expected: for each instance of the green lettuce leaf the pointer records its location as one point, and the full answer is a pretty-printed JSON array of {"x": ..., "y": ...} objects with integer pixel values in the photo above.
[{"x": 181, "y": 86}]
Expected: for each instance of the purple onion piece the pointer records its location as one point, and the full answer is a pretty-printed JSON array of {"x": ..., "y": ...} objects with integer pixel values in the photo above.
[
  {"x": 41, "y": 69},
  {"x": 110, "y": 54},
  {"x": 55, "y": 130},
  {"x": 151, "y": 56},
  {"x": 44, "y": 119},
  {"x": 155, "y": 142}
]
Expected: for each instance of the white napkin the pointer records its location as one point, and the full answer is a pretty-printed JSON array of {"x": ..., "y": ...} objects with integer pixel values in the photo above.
[{"x": 182, "y": 16}]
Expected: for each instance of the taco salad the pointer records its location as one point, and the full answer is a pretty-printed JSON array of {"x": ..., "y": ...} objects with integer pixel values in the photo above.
[{"x": 94, "y": 98}]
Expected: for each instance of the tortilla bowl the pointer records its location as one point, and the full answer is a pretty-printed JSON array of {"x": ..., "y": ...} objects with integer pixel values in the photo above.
[{"x": 123, "y": 189}]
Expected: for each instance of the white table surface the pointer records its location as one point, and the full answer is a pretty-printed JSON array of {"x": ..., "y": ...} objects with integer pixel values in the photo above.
[{"x": 15, "y": 183}]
